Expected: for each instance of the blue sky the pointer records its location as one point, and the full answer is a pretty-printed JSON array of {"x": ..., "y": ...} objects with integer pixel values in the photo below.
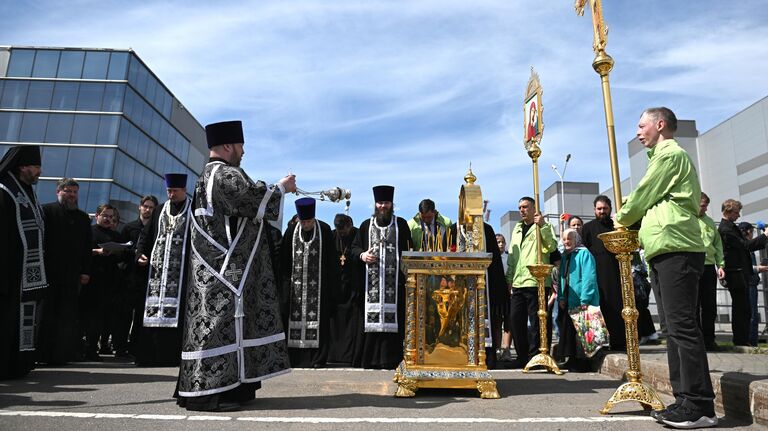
[{"x": 354, "y": 93}]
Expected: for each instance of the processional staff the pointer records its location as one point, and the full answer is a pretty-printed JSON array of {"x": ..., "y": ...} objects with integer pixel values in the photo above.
[
  {"x": 533, "y": 127},
  {"x": 621, "y": 242}
]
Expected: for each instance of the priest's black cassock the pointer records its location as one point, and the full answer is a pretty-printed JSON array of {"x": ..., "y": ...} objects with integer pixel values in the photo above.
[
  {"x": 608, "y": 280},
  {"x": 23, "y": 280},
  {"x": 498, "y": 293},
  {"x": 346, "y": 318},
  {"x": 310, "y": 274},
  {"x": 67, "y": 256},
  {"x": 233, "y": 335},
  {"x": 383, "y": 285},
  {"x": 159, "y": 338}
]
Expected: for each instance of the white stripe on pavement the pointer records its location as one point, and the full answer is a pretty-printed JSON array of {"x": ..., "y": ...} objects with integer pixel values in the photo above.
[{"x": 326, "y": 420}]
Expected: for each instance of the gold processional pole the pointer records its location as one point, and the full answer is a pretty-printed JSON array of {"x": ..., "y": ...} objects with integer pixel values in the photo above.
[
  {"x": 621, "y": 242},
  {"x": 534, "y": 126}
]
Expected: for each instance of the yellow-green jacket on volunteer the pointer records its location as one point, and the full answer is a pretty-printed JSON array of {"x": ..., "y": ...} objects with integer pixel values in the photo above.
[
  {"x": 442, "y": 223},
  {"x": 667, "y": 200},
  {"x": 712, "y": 241},
  {"x": 522, "y": 252}
]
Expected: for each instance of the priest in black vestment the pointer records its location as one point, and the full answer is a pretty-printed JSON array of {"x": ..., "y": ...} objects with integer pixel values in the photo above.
[
  {"x": 378, "y": 246},
  {"x": 310, "y": 274},
  {"x": 608, "y": 279},
  {"x": 497, "y": 295},
  {"x": 68, "y": 265},
  {"x": 24, "y": 278},
  {"x": 233, "y": 335},
  {"x": 346, "y": 317},
  {"x": 164, "y": 247}
]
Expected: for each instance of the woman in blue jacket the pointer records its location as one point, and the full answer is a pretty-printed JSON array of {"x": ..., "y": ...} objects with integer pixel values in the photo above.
[{"x": 578, "y": 289}]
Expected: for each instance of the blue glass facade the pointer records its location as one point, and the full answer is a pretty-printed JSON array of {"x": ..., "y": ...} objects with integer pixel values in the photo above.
[{"x": 103, "y": 118}]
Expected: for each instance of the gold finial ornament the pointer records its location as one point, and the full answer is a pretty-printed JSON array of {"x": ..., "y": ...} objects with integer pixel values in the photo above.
[
  {"x": 470, "y": 177},
  {"x": 620, "y": 241},
  {"x": 533, "y": 127}
]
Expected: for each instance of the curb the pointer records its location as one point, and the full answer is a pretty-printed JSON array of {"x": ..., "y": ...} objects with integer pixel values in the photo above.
[{"x": 738, "y": 395}]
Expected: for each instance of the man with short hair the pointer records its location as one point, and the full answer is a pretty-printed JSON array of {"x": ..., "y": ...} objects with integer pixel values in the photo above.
[
  {"x": 667, "y": 200},
  {"x": 310, "y": 273},
  {"x": 68, "y": 266},
  {"x": 713, "y": 270},
  {"x": 378, "y": 246},
  {"x": 136, "y": 275},
  {"x": 233, "y": 335},
  {"x": 608, "y": 279},
  {"x": 21, "y": 253},
  {"x": 524, "y": 301},
  {"x": 164, "y": 246},
  {"x": 347, "y": 316},
  {"x": 738, "y": 268},
  {"x": 428, "y": 228}
]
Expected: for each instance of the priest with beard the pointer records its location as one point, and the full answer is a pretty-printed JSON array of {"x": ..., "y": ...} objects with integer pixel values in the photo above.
[
  {"x": 310, "y": 274},
  {"x": 164, "y": 247},
  {"x": 21, "y": 251},
  {"x": 497, "y": 292},
  {"x": 608, "y": 279},
  {"x": 378, "y": 246},
  {"x": 347, "y": 313},
  {"x": 68, "y": 264}
]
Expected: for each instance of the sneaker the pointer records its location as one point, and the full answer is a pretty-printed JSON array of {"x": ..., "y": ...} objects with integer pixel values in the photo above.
[
  {"x": 506, "y": 356},
  {"x": 656, "y": 414},
  {"x": 686, "y": 416}
]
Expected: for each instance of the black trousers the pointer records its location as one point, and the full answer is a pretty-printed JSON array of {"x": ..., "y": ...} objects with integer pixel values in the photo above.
[
  {"x": 524, "y": 306},
  {"x": 676, "y": 276},
  {"x": 741, "y": 312},
  {"x": 707, "y": 304}
]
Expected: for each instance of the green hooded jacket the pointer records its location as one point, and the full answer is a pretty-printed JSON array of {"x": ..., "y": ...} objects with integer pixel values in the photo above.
[
  {"x": 522, "y": 252},
  {"x": 667, "y": 201}
]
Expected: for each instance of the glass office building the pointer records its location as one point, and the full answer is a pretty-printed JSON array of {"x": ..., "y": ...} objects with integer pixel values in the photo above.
[{"x": 101, "y": 117}]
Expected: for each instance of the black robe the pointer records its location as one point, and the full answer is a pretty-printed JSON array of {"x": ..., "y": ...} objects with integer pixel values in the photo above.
[
  {"x": 310, "y": 357},
  {"x": 498, "y": 292},
  {"x": 135, "y": 280},
  {"x": 383, "y": 350},
  {"x": 99, "y": 298},
  {"x": 67, "y": 256},
  {"x": 346, "y": 317},
  {"x": 13, "y": 363},
  {"x": 159, "y": 347},
  {"x": 608, "y": 281}
]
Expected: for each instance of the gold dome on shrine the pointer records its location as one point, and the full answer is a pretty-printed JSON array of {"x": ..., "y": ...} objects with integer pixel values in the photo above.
[{"x": 470, "y": 177}]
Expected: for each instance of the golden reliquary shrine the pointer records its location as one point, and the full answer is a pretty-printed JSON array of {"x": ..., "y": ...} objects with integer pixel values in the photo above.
[{"x": 447, "y": 314}]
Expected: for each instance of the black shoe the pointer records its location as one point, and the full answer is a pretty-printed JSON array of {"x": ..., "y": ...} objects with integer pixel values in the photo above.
[
  {"x": 124, "y": 355},
  {"x": 713, "y": 347},
  {"x": 226, "y": 406},
  {"x": 656, "y": 414},
  {"x": 687, "y": 416}
]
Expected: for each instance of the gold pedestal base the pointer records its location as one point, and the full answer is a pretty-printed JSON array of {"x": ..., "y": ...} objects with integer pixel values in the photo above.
[
  {"x": 623, "y": 242},
  {"x": 409, "y": 381},
  {"x": 634, "y": 391},
  {"x": 543, "y": 360}
]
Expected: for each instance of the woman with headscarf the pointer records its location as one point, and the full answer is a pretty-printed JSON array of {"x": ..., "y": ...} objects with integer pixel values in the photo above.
[{"x": 578, "y": 289}]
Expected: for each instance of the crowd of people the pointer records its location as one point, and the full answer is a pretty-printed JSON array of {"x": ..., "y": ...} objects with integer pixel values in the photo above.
[{"x": 212, "y": 285}]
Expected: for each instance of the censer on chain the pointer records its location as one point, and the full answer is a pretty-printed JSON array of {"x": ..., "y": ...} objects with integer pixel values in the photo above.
[{"x": 334, "y": 194}]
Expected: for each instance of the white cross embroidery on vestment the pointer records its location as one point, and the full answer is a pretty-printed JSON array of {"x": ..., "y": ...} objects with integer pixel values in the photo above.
[{"x": 233, "y": 272}]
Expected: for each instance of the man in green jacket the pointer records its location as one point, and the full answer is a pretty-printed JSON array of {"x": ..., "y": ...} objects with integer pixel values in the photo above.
[
  {"x": 524, "y": 298},
  {"x": 667, "y": 201},
  {"x": 429, "y": 228},
  {"x": 714, "y": 264}
]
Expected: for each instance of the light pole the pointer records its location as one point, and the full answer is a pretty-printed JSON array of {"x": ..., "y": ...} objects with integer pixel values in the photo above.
[{"x": 562, "y": 185}]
